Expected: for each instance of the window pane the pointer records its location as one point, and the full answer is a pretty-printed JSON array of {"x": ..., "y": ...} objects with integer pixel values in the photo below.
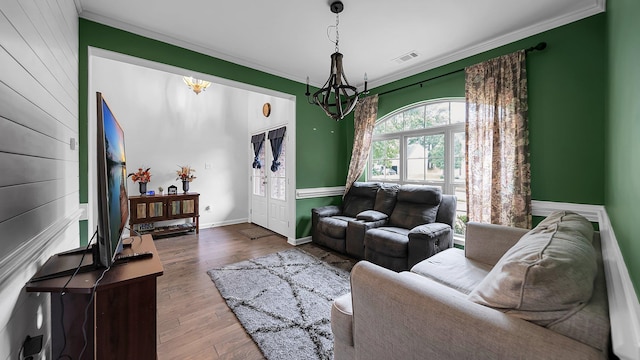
[
  {"x": 416, "y": 169},
  {"x": 395, "y": 124},
  {"x": 459, "y": 150},
  {"x": 458, "y": 109},
  {"x": 259, "y": 176},
  {"x": 385, "y": 155},
  {"x": 414, "y": 118},
  {"x": 425, "y": 157},
  {"x": 460, "y": 224},
  {"x": 380, "y": 128},
  {"x": 434, "y": 147},
  {"x": 416, "y": 158},
  {"x": 437, "y": 114},
  {"x": 278, "y": 178}
]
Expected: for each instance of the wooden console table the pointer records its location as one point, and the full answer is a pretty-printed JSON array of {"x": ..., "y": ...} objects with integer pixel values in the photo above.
[
  {"x": 152, "y": 208},
  {"x": 121, "y": 319}
]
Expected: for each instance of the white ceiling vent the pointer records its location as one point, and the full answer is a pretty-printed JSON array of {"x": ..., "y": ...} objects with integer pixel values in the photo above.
[{"x": 406, "y": 57}]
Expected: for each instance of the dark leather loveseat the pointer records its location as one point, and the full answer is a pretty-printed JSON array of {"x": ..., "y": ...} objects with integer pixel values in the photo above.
[{"x": 392, "y": 225}]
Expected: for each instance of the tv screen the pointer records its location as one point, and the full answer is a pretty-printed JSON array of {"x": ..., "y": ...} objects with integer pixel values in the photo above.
[{"x": 113, "y": 202}]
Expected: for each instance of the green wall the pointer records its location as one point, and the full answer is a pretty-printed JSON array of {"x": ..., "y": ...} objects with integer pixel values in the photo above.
[
  {"x": 566, "y": 108},
  {"x": 622, "y": 189},
  {"x": 321, "y": 144},
  {"x": 563, "y": 102}
]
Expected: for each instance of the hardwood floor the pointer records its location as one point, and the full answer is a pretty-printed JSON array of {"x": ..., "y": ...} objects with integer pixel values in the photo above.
[{"x": 194, "y": 321}]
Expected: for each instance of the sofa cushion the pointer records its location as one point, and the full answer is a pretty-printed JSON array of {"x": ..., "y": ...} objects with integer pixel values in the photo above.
[
  {"x": 451, "y": 268},
  {"x": 391, "y": 241},
  {"x": 361, "y": 197},
  {"x": 416, "y": 205},
  {"x": 547, "y": 275},
  {"x": 334, "y": 226},
  {"x": 371, "y": 215},
  {"x": 386, "y": 198}
]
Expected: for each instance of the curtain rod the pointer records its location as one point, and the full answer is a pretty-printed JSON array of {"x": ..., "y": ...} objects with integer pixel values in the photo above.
[{"x": 539, "y": 46}]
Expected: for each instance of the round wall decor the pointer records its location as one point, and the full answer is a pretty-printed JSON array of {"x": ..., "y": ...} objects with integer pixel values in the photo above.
[{"x": 266, "y": 109}]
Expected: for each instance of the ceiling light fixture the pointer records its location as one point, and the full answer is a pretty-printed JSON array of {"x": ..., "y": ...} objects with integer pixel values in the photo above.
[
  {"x": 196, "y": 85},
  {"x": 337, "y": 98}
]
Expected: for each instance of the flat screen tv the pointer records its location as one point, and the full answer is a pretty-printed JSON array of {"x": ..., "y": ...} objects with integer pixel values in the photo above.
[{"x": 113, "y": 202}]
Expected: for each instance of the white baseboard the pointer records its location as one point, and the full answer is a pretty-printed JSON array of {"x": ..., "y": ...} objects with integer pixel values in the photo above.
[
  {"x": 624, "y": 308},
  {"x": 223, "y": 223},
  {"x": 300, "y": 241}
]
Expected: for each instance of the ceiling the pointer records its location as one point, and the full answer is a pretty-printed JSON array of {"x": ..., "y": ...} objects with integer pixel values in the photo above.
[{"x": 290, "y": 38}]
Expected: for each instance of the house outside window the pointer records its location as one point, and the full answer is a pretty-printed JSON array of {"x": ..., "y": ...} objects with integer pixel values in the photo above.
[{"x": 424, "y": 143}]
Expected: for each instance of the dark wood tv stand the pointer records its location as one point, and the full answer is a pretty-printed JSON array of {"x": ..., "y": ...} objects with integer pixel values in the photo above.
[
  {"x": 121, "y": 317},
  {"x": 153, "y": 208}
]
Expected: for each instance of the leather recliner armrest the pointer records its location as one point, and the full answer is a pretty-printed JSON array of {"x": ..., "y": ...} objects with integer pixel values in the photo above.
[
  {"x": 324, "y": 211},
  {"x": 356, "y": 231},
  {"x": 428, "y": 239}
]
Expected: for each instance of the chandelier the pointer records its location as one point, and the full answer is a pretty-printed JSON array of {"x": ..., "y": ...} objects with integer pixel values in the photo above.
[
  {"x": 196, "y": 85},
  {"x": 337, "y": 98}
]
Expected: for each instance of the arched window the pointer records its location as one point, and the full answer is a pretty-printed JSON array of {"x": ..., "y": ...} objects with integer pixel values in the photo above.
[{"x": 423, "y": 143}]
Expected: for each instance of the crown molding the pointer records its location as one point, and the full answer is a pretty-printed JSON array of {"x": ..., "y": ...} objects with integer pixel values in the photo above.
[
  {"x": 88, "y": 15},
  {"x": 520, "y": 34},
  {"x": 598, "y": 7}
]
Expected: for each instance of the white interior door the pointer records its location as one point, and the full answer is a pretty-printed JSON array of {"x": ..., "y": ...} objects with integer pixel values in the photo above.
[{"x": 269, "y": 207}]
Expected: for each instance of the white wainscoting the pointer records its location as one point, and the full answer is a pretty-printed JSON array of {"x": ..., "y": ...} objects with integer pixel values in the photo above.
[
  {"x": 319, "y": 192},
  {"x": 624, "y": 308},
  {"x": 39, "y": 185}
]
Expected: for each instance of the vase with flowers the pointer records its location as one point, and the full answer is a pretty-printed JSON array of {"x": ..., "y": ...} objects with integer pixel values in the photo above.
[
  {"x": 142, "y": 177},
  {"x": 186, "y": 176}
]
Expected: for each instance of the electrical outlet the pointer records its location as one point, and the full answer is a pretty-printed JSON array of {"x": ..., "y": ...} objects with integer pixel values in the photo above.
[{"x": 207, "y": 166}]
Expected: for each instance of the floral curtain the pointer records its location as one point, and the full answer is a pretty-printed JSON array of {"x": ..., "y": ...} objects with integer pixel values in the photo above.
[
  {"x": 364, "y": 120},
  {"x": 497, "y": 162}
]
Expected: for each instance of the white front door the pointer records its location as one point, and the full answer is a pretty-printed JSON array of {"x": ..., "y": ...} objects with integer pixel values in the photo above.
[
  {"x": 259, "y": 191},
  {"x": 269, "y": 190},
  {"x": 277, "y": 200}
]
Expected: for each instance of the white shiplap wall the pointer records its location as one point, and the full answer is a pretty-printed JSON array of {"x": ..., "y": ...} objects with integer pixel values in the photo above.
[{"x": 38, "y": 156}]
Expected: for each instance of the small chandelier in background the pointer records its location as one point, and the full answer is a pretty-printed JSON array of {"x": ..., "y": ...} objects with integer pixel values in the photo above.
[
  {"x": 337, "y": 98},
  {"x": 196, "y": 85}
]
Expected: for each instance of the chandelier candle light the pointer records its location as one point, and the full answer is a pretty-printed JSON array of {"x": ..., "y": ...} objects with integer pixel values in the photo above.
[
  {"x": 337, "y": 98},
  {"x": 196, "y": 85}
]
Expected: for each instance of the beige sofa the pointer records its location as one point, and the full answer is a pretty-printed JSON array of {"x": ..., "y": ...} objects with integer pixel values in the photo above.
[{"x": 444, "y": 307}]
